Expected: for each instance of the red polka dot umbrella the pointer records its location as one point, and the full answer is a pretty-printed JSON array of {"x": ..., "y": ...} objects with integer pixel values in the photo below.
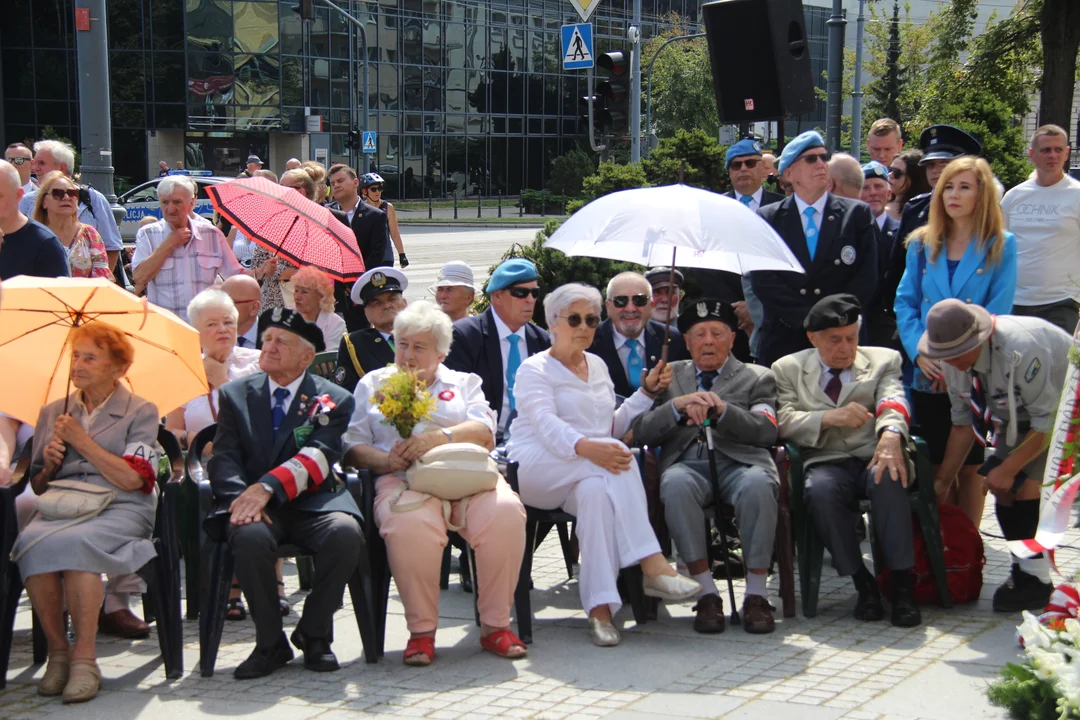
[{"x": 288, "y": 224}]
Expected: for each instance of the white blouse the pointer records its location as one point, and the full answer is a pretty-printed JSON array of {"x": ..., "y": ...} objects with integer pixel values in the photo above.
[
  {"x": 198, "y": 412},
  {"x": 556, "y": 408},
  {"x": 459, "y": 397},
  {"x": 333, "y": 327}
]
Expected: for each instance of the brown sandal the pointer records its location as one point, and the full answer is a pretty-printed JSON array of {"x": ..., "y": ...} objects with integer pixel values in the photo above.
[
  {"x": 54, "y": 680},
  {"x": 83, "y": 683}
]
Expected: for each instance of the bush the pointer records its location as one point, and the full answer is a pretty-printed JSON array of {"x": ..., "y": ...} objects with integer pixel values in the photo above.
[
  {"x": 569, "y": 170},
  {"x": 694, "y": 155},
  {"x": 611, "y": 178},
  {"x": 552, "y": 204}
]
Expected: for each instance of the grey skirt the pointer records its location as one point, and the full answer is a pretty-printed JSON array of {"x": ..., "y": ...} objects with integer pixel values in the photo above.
[{"x": 115, "y": 542}]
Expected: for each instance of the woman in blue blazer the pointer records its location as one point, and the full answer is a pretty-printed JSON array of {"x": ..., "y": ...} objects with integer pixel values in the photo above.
[{"x": 963, "y": 252}]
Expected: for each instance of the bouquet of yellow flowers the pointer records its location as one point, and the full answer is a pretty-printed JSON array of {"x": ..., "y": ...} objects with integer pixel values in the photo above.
[{"x": 404, "y": 402}]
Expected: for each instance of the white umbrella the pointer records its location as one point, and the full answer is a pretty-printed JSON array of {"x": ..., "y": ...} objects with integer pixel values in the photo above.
[{"x": 674, "y": 225}]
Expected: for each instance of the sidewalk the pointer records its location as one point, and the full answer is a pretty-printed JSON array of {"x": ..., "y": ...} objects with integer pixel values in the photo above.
[
  {"x": 467, "y": 213},
  {"x": 826, "y": 668}
]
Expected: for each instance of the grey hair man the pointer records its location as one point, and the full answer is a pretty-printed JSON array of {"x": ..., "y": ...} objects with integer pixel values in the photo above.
[{"x": 845, "y": 176}]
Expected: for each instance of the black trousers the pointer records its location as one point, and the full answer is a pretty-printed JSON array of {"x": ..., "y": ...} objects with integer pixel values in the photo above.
[{"x": 333, "y": 538}]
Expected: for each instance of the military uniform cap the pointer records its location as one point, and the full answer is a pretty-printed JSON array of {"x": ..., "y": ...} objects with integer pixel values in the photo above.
[
  {"x": 378, "y": 280},
  {"x": 295, "y": 323},
  {"x": 706, "y": 310},
  {"x": 945, "y": 142},
  {"x": 833, "y": 311}
]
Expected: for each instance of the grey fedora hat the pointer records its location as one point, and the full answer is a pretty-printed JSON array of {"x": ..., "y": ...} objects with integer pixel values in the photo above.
[{"x": 953, "y": 328}]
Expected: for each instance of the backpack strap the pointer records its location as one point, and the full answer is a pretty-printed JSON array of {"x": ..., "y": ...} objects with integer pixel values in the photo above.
[{"x": 397, "y": 507}]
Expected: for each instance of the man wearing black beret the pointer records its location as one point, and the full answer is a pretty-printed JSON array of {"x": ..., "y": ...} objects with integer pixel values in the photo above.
[
  {"x": 278, "y": 436},
  {"x": 742, "y": 399},
  {"x": 844, "y": 406}
]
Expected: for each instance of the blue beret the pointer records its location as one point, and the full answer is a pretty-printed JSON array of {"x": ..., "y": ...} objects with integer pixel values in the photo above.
[
  {"x": 795, "y": 148},
  {"x": 746, "y": 146},
  {"x": 874, "y": 169},
  {"x": 511, "y": 272}
]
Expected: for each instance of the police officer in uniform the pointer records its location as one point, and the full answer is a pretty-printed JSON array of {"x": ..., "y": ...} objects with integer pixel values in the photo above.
[
  {"x": 941, "y": 144},
  {"x": 832, "y": 237},
  {"x": 379, "y": 292},
  {"x": 1009, "y": 370}
]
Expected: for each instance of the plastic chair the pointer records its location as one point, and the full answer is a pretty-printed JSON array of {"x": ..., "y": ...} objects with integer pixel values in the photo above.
[
  {"x": 811, "y": 549},
  {"x": 324, "y": 365}
]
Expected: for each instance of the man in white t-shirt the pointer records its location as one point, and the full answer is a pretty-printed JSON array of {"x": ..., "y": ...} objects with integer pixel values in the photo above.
[{"x": 1044, "y": 214}]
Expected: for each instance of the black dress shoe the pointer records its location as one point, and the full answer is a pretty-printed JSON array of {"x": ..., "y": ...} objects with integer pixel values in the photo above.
[
  {"x": 263, "y": 662},
  {"x": 318, "y": 657},
  {"x": 868, "y": 605},
  {"x": 905, "y": 613},
  {"x": 1022, "y": 591}
]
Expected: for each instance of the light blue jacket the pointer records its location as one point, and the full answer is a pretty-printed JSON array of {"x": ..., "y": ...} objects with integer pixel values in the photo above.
[{"x": 975, "y": 281}]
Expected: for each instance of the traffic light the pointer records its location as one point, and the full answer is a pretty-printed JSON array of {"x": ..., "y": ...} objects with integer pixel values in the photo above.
[
  {"x": 306, "y": 9},
  {"x": 352, "y": 142},
  {"x": 615, "y": 90},
  {"x": 598, "y": 112}
]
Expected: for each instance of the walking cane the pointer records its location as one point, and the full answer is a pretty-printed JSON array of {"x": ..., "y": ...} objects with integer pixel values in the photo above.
[{"x": 706, "y": 430}]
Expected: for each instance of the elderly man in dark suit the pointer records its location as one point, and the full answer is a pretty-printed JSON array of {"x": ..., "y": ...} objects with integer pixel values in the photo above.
[
  {"x": 845, "y": 406},
  {"x": 629, "y": 342},
  {"x": 875, "y": 193},
  {"x": 278, "y": 437},
  {"x": 833, "y": 239},
  {"x": 494, "y": 343},
  {"x": 742, "y": 399}
]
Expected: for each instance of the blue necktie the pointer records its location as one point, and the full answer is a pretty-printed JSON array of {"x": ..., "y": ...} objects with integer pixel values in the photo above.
[
  {"x": 241, "y": 341},
  {"x": 633, "y": 365},
  {"x": 811, "y": 231},
  {"x": 513, "y": 362},
  {"x": 277, "y": 413},
  {"x": 706, "y": 378},
  {"x": 746, "y": 199}
]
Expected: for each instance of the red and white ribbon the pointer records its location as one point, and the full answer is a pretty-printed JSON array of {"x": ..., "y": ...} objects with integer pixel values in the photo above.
[{"x": 306, "y": 469}]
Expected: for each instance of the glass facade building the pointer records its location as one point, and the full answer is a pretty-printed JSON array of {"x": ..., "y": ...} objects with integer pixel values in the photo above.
[{"x": 465, "y": 97}]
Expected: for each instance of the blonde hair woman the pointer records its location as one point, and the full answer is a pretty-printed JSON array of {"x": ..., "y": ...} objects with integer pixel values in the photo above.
[
  {"x": 963, "y": 252},
  {"x": 57, "y": 208},
  {"x": 313, "y": 295}
]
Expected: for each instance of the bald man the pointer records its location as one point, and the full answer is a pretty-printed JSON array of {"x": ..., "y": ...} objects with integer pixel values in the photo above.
[
  {"x": 291, "y": 164},
  {"x": 845, "y": 176},
  {"x": 247, "y": 297}
]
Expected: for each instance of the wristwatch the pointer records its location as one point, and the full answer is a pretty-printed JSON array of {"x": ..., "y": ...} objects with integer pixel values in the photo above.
[
  {"x": 267, "y": 488},
  {"x": 449, "y": 434},
  {"x": 892, "y": 429}
]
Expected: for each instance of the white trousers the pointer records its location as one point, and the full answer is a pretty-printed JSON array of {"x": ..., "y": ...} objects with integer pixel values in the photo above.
[{"x": 613, "y": 527}]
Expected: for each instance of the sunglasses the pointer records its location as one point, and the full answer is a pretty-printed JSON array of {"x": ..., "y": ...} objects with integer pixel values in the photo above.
[
  {"x": 816, "y": 157},
  {"x": 750, "y": 164},
  {"x": 896, "y": 173},
  {"x": 375, "y": 188},
  {"x": 621, "y": 301},
  {"x": 58, "y": 194},
  {"x": 521, "y": 293},
  {"x": 574, "y": 320},
  {"x": 18, "y": 160}
]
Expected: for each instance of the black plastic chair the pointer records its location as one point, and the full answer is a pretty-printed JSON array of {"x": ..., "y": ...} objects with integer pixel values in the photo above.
[{"x": 216, "y": 580}]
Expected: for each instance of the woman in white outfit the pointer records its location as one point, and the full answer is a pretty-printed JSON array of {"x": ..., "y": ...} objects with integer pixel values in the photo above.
[{"x": 564, "y": 439}]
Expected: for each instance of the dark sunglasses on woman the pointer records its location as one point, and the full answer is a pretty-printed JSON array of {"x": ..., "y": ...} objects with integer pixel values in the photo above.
[
  {"x": 896, "y": 173},
  {"x": 574, "y": 319},
  {"x": 59, "y": 194},
  {"x": 620, "y": 301},
  {"x": 521, "y": 293}
]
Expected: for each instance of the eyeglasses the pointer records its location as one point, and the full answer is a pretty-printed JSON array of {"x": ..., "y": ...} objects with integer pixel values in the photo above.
[
  {"x": 574, "y": 320},
  {"x": 18, "y": 160},
  {"x": 375, "y": 188},
  {"x": 816, "y": 157},
  {"x": 521, "y": 293},
  {"x": 59, "y": 194},
  {"x": 620, "y": 301},
  {"x": 750, "y": 164},
  {"x": 896, "y": 173}
]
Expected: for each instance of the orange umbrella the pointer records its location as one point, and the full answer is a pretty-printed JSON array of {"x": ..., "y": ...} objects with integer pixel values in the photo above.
[{"x": 37, "y": 317}]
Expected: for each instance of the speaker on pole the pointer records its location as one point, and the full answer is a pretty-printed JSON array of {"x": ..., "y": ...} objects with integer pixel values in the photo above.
[{"x": 760, "y": 59}]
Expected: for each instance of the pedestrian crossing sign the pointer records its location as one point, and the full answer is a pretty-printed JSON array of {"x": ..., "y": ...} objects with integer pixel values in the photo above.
[
  {"x": 369, "y": 142},
  {"x": 577, "y": 47}
]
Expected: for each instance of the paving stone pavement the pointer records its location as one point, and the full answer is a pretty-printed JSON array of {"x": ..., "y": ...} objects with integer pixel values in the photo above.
[{"x": 826, "y": 668}]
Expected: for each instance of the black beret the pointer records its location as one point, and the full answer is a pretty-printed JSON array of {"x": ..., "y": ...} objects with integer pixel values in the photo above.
[
  {"x": 295, "y": 323},
  {"x": 833, "y": 311},
  {"x": 707, "y": 309}
]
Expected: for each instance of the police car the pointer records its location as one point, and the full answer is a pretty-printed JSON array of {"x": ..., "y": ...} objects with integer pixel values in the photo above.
[{"x": 142, "y": 201}]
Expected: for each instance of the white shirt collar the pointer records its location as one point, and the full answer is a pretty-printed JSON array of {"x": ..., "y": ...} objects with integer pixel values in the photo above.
[
  {"x": 504, "y": 329},
  {"x": 251, "y": 336},
  {"x": 719, "y": 370},
  {"x": 620, "y": 339},
  {"x": 291, "y": 387},
  {"x": 819, "y": 206},
  {"x": 756, "y": 195},
  {"x": 880, "y": 219}
]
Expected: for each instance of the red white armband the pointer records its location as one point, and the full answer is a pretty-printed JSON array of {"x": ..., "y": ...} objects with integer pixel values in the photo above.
[
  {"x": 895, "y": 402},
  {"x": 766, "y": 410},
  {"x": 308, "y": 469},
  {"x": 143, "y": 459}
]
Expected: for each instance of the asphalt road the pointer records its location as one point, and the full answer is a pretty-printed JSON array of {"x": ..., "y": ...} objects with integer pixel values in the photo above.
[{"x": 429, "y": 248}]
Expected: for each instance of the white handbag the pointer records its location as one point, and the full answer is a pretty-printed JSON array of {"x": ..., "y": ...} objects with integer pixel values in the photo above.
[
  {"x": 451, "y": 472},
  {"x": 70, "y": 500}
]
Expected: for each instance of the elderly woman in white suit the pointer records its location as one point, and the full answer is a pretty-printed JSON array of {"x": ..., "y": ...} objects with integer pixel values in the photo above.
[{"x": 565, "y": 441}]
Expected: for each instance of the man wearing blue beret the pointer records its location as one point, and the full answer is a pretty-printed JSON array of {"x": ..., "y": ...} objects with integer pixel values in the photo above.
[
  {"x": 747, "y": 170},
  {"x": 832, "y": 237},
  {"x": 875, "y": 193},
  {"x": 494, "y": 343}
]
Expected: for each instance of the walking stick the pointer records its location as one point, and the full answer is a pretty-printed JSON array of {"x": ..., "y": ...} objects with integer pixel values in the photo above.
[{"x": 706, "y": 430}]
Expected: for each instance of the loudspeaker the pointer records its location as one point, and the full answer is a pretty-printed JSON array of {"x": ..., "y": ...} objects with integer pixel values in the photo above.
[{"x": 760, "y": 59}]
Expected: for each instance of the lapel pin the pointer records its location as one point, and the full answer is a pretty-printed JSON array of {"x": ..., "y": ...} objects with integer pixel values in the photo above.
[{"x": 831, "y": 218}]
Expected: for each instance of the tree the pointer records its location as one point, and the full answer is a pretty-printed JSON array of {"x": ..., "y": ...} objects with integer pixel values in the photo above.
[
  {"x": 896, "y": 55},
  {"x": 569, "y": 170},
  {"x": 1059, "y": 29},
  {"x": 691, "y": 157},
  {"x": 682, "y": 86},
  {"x": 611, "y": 178}
]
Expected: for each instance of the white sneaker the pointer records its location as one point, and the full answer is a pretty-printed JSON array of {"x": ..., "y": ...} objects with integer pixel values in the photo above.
[{"x": 671, "y": 587}]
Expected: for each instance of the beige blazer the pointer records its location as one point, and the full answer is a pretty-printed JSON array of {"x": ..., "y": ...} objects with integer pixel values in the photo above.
[{"x": 801, "y": 402}]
